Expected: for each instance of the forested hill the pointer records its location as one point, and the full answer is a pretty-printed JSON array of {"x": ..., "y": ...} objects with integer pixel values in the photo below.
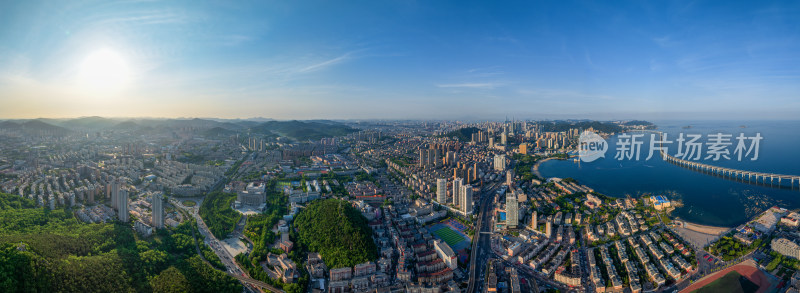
[
  {"x": 463, "y": 134},
  {"x": 51, "y": 251},
  {"x": 337, "y": 231}
]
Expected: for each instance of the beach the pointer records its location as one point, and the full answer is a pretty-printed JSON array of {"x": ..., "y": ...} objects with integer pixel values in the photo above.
[
  {"x": 535, "y": 168},
  {"x": 699, "y": 235}
]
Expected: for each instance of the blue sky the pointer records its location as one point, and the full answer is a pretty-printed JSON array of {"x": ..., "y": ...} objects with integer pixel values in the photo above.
[{"x": 406, "y": 59}]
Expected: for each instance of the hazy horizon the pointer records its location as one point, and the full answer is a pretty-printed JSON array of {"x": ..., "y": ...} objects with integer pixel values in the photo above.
[{"x": 494, "y": 119}]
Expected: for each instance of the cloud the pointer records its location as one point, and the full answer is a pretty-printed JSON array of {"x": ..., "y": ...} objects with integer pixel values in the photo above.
[
  {"x": 664, "y": 41},
  {"x": 485, "y": 72},
  {"x": 325, "y": 64},
  {"x": 655, "y": 65},
  {"x": 145, "y": 18},
  {"x": 483, "y": 85},
  {"x": 234, "y": 40}
]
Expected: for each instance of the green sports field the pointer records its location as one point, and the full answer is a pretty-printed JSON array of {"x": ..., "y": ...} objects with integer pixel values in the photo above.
[{"x": 449, "y": 236}]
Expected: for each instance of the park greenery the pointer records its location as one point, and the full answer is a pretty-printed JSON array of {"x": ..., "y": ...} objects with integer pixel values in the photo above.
[
  {"x": 523, "y": 165},
  {"x": 364, "y": 176},
  {"x": 191, "y": 158},
  {"x": 259, "y": 230},
  {"x": 218, "y": 214},
  {"x": 45, "y": 250},
  {"x": 259, "y": 227},
  {"x": 402, "y": 161},
  {"x": 337, "y": 231},
  {"x": 729, "y": 248},
  {"x": 256, "y": 271}
]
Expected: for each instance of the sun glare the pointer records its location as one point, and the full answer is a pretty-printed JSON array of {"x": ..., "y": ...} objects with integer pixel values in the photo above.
[{"x": 104, "y": 70}]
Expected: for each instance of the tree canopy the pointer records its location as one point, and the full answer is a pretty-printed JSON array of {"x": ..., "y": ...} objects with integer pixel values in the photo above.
[
  {"x": 51, "y": 251},
  {"x": 217, "y": 213},
  {"x": 337, "y": 231}
]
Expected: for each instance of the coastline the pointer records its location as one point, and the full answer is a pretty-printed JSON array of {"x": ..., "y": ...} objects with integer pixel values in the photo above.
[
  {"x": 698, "y": 235},
  {"x": 535, "y": 168},
  {"x": 705, "y": 229}
]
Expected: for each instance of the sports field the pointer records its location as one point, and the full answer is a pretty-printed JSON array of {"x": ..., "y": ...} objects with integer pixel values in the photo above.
[
  {"x": 742, "y": 277},
  {"x": 449, "y": 236},
  {"x": 731, "y": 282}
]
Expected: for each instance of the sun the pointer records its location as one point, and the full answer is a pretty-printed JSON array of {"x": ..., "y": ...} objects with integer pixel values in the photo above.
[{"x": 104, "y": 70}]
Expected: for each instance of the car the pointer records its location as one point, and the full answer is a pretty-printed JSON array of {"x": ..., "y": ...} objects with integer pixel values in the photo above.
[{"x": 711, "y": 259}]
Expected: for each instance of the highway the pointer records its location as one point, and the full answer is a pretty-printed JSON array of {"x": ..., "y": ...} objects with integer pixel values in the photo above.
[
  {"x": 481, "y": 248},
  {"x": 233, "y": 269}
]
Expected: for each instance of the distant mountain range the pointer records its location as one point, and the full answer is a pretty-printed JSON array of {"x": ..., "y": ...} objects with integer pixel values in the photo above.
[
  {"x": 298, "y": 130},
  {"x": 34, "y": 127}
]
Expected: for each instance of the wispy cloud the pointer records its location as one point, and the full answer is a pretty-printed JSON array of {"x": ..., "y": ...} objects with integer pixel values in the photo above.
[
  {"x": 485, "y": 72},
  {"x": 145, "y": 18},
  {"x": 474, "y": 85},
  {"x": 664, "y": 41},
  {"x": 655, "y": 65},
  {"x": 325, "y": 64},
  {"x": 234, "y": 40}
]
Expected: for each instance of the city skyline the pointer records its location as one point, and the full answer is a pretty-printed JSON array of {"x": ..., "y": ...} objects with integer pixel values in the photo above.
[{"x": 400, "y": 60}]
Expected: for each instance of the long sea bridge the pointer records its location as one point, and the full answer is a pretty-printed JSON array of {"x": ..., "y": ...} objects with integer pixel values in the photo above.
[{"x": 750, "y": 176}]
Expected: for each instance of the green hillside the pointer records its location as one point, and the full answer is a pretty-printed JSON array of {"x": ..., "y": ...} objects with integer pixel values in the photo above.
[
  {"x": 304, "y": 130},
  {"x": 463, "y": 134},
  {"x": 337, "y": 231}
]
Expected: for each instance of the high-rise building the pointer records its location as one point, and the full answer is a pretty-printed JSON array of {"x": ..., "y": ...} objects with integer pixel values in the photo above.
[
  {"x": 158, "y": 210},
  {"x": 441, "y": 190},
  {"x": 523, "y": 148},
  {"x": 429, "y": 157},
  {"x": 504, "y": 137},
  {"x": 113, "y": 191},
  {"x": 457, "y": 190},
  {"x": 423, "y": 157},
  {"x": 512, "y": 210},
  {"x": 534, "y": 219},
  {"x": 122, "y": 205},
  {"x": 491, "y": 142},
  {"x": 509, "y": 178},
  {"x": 548, "y": 229},
  {"x": 466, "y": 199},
  {"x": 500, "y": 162}
]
